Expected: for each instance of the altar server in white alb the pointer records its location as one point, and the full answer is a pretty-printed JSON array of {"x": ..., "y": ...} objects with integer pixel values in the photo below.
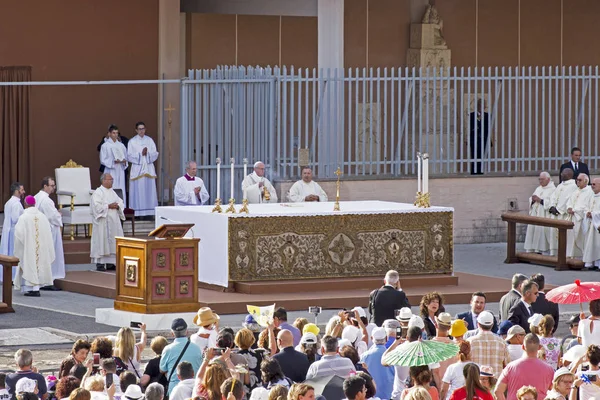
[
  {"x": 12, "y": 211},
  {"x": 107, "y": 212},
  {"x": 591, "y": 248},
  {"x": 306, "y": 189},
  {"x": 537, "y": 238},
  {"x": 257, "y": 186},
  {"x": 113, "y": 155},
  {"x": 189, "y": 189},
  {"x": 577, "y": 207},
  {"x": 557, "y": 206},
  {"x": 141, "y": 153},
  {"x": 34, "y": 248},
  {"x": 44, "y": 203}
]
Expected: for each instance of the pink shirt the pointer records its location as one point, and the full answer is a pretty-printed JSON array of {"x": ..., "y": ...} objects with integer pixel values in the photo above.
[{"x": 527, "y": 371}]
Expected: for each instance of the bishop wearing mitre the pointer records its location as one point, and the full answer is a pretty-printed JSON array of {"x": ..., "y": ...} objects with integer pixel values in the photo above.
[
  {"x": 107, "y": 213},
  {"x": 557, "y": 206},
  {"x": 113, "y": 155},
  {"x": 258, "y": 188},
  {"x": 189, "y": 189},
  {"x": 34, "y": 248},
  {"x": 591, "y": 248},
  {"x": 538, "y": 238},
  {"x": 577, "y": 207},
  {"x": 306, "y": 189}
]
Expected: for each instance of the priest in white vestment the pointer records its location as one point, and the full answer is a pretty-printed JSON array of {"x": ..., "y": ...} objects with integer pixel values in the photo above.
[
  {"x": 577, "y": 207},
  {"x": 141, "y": 153},
  {"x": 107, "y": 213},
  {"x": 537, "y": 238},
  {"x": 306, "y": 189},
  {"x": 591, "y": 248},
  {"x": 256, "y": 186},
  {"x": 44, "y": 203},
  {"x": 189, "y": 189},
  {"x": 113, "y": 155},
  {"x": 34, "y": 248},
  {"x": 12, "y": 211},
  {"x": 557, "y": 206}
]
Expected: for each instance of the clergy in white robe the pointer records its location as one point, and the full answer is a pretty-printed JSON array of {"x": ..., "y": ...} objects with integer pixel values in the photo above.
[
  {"x": 557, "y": 206},
  {"x": 306, "y": 189},
  {"x": 591, "y": 248},
  {"x": 537, "y": 238},
  {"x": 35, "y": 250},
  {"x": 189, "y": 189},
  {"x": 141, "y": 153},
  {"x": 44, "y": 203},
  {"x": 107, "y": 213},
  {"x": 577, "y": 207},
  {"x": 12, "y": 211},
  {"x": 255, "y": 184},
  {"x": 113, "y": 155}
]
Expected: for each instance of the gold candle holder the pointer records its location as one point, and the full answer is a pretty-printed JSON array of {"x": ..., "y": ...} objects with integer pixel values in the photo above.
[
  {"x": 231, "y": 208},
  {"x": 217, "y": 208},
  {"x": 336, "y": 206},
  {"x": 244, "y": 208},
  {"x": 422, "y": 200}
]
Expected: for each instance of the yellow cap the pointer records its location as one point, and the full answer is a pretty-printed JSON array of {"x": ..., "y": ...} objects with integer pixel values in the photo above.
[{"x": 312, "y": 328}]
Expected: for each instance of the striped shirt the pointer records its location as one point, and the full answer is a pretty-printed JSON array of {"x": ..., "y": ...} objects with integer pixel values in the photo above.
[
  {"x": 489, "y": 349},
  {"x": 330, "y": 365}
]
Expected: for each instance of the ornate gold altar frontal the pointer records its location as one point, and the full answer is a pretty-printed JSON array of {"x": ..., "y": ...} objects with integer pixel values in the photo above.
[{"x": 337, "y": 246}]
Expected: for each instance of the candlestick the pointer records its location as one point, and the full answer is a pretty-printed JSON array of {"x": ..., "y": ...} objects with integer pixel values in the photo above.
[
  {"x": 244, "y": 195},
  {"x": 336, "y": 205},
  {"x": 425, "y": 173},
  {"x": 218, "y": 178},
  {"x": 418, "y": 172},
  {"x": 232, "y": 161}
]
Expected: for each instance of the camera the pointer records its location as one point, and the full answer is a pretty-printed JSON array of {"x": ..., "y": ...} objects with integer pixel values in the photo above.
[{"x": 315, "y": 310}]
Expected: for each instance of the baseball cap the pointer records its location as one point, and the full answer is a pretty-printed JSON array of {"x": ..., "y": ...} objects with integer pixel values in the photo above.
[
  {"x": 378, "y": 334},
  {"x": 458, "y": 328},
  {"x": 415, "y": 320},
  {"x": 249, "y": 319},
  {"x": 514, "y": 330},
  {"x": 312, "y": 328},
  {"x": 504, "y": 327},
  {"x": 485, "y": 318},
  {"x": 309, "y": 338},
  {"x": 178, "y": 325},
  {"x": 361, "y": 312}
]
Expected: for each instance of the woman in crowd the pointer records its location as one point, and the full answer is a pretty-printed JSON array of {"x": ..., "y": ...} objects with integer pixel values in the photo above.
[
  {"x": 588, "y": 330},
  {"x": 561, "y": 385},
  {"x": 421, "y": 377},
  {"x": 350, "y": 353},
  {"x": 129, "y": 351},
  {"x": 527, "y": 393},
  {"x": 79, "y": 353},
  {"x": 272, "y": 376},
  {"x": 208, "y": 387},
  {"x": 453, "y": 377},
  {"x": 487, "y": 378},
  {"x": 588, "y": 382},
  {"x": 152, "y": 372},
  {"x": 104, "y": 347},
  {"x": 432, "y": 304},
  {"x": 418, "y": 393},
  {"x": 301, "y": 391},
  {"x": 244, "y": 339},
  {"x": 309, "y": 345},
  {"x": 278, "y": 392},
  {"x": 65, "y": 386},
  {"x": 473, "y": 387},
  {"x": 550, "y": 344},
  {"x": 334, "y": 327},
  {"x": 369, "y": 384},
  {"x": 80, "y": 394},
  {"x": 300, "y": 323}
]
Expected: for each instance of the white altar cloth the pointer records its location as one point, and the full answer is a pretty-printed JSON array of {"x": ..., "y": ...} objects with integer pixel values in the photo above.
[{"x": 212, "y": 228}]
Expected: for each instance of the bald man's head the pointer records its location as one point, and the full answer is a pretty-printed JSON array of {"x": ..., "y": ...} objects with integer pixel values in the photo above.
[
  {"x": 596, "y": 185},
  {"x": 285, "y": 339}
]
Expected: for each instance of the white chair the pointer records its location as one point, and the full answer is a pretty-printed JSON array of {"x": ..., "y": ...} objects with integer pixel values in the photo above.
[{"x": 73, "y": 186}]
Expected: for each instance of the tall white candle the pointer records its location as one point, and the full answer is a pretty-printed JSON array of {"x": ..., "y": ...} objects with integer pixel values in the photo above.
[
  {"x": 245, "y": 195},
  {"x": 218, "y": 178},
  {"x": 418, "y": 172},
  {"x": 232, "y": 176},
  {"x": 425, "y": 173},
  {"x": 245, "y": 168}
]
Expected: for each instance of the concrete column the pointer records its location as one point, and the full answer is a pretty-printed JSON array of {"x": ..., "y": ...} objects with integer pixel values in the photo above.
[
  {"x": 171, "y": 54},
  {"x": 330, "y": 15}
]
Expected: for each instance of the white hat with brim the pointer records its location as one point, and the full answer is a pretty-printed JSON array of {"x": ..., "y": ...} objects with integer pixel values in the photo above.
[
  {"x": 560, "y": 372},
  {"x": 133, "y": 392}
]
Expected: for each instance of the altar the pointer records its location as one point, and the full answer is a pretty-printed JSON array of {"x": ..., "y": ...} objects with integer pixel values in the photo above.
[{"x": 310, "y": 240}]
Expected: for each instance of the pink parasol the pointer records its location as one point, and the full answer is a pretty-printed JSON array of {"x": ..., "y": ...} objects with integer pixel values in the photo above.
[{"x": 573, "y": 293}]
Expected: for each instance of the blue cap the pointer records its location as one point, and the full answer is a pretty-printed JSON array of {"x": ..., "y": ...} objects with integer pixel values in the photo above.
[
  {"x": 250, "y": 319},
  {"x": 504, "y": 327}
]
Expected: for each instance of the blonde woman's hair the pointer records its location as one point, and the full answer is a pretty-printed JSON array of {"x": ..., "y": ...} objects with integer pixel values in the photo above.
[
  {"x": 331, "y": 324},
  {"x": 297, "y": 390},
  {"x": 527, "y": 389},
  {"x": 95, "y": 383},
  {"x": 158, "y": 344},
  {"x": 244, "y": 338},
  {"x": 278, "y": 392},
  {"x": 417, "y": 393},
  {"x": 299, "y": 323},
  {"x": 125, "y": 344},
  {"x": 80, "y": 394}
]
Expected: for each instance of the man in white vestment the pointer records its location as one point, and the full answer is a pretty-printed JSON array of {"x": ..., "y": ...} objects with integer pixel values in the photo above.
[
  {"x": 34, "y": 248},
  {"x": 557, "y": 206},
  {"x": 141, "y": 153},
  {"x": 12, "y": 211},
  {"x": 256, "y": 186},
  {"x": 306, "y": 189},
  {"x": 591, "y": 248},
  {"x": 537, "y": 238},
  {"x": 113, "y": 155},
  {"x": 577, "y": 207},
  {"x": 44, "y": 203},
  {"x": 189, "y": 189},
  {"x": 107, "y": 212}
]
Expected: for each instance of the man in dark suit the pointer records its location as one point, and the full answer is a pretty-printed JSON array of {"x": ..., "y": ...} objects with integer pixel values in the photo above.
[
  {"x": 478, "y": 300},
  {"x": 478, "y": 135},
  {"x": 575, "y": 164},
  {"x": 512, "y": 297},
  {"x": 294, "y": 364},
  {"x": 384, "y": 302},
  {"x": 541, "y": 305},
  {"x": 520, "y": 313}
]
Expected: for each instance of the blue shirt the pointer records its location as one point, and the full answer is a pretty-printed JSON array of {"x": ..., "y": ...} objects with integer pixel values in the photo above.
[
  {"x": 383, "y": 376},
  {"x": 390, "y": 342},
  {"x": 171, "y": 353},
  {"x": 295, "y": 332}
]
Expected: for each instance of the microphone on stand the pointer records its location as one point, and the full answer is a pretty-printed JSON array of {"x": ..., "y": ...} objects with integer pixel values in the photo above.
[{"x": 179, "y": 222}]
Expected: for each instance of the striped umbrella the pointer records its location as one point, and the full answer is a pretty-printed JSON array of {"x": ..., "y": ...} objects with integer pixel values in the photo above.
[{"x": 420, "y": 352}]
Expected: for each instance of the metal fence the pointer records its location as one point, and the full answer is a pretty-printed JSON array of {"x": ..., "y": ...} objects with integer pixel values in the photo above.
[{"x": 373, "y": 122}]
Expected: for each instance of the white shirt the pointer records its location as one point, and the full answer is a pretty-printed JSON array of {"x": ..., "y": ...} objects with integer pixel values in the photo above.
[
  {"x": 515, "y": 351},
  {"x": 301, "y": 189},
  {"x": 204, "y": 343},
  {"x": 183, "y": 390},
  {"x": 454, "y": 376}
]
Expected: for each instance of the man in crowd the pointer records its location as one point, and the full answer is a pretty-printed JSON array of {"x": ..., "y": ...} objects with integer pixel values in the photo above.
[
  {"x": 557, "y": 206},
  {"x": 331, "y": 363},
  {"x": 512, "y": 297},
  {"x": 44, "y": 203},
  {"x": 519, "y": 313},
  {"x": 577, "y": 208},
  {"x": 154, "y": 391},
  {"x": 526, "y": 371},
  {"x": 383, "y": 376},
  {"x": 280, "y": 321},
  {"x": 384, "y": 302},
  {"x": 487, "y": 348},
  {"x": 537, "y": 238},
  {"x": 113, "y": 156},
  {"x": 24, "y": 360},
  {"x": 189, "y": 189},
  {"x": 34, "y": 248},
  {"x": 185, "y": 387},
  {"x": 257, "y": 186},
  {"x": 575, "y": 164},
  {"x": 444, "y": 323},
  {"x": 591, "y": 247},
  {"x": 294, "y": 364},
  {"x": 12, "y": 211},
  {"x": 354, "y": 388},
  {"x": 514, "y": 339},
  {"x": 107, "y": 213},
  {"x": 478, "y": 300},
  {"x": 541, "y": 305},
  {"x": 141, "y": 153},
  {"x": 391, "y": 327},
  {"x": 306, "y": 189}
]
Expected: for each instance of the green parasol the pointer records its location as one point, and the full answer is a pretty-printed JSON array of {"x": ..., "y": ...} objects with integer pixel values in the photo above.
[{"x": 420, "y": 353}]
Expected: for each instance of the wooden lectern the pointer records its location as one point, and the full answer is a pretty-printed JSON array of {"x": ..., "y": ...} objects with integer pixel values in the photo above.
[{"x": 158, "y": 274}]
